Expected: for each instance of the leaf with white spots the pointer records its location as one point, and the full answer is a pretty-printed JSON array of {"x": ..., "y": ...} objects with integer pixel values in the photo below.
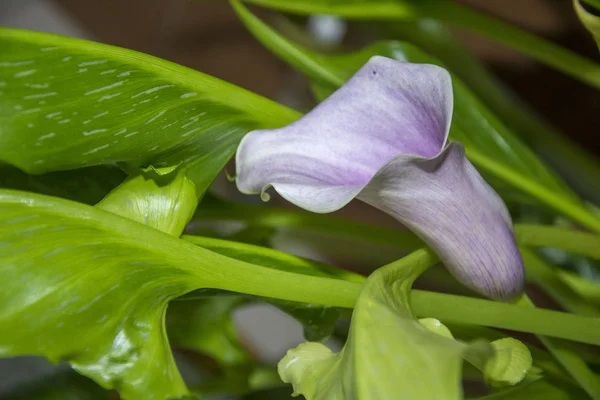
[
  {"x": 67, "y": 103},
  {"x": 87, "y": 286},
  {"x": 389, "y": 354}
]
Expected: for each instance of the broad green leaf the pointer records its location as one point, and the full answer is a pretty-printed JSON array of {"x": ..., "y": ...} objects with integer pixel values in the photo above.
[
  {"x": 90, "y": 287},
  {"x": 163, "y": 199},
  {"x": 86, "y": 185},
  {"x": 388, "y": 352},
  {"x": 67, "y": 103},
  {"x": 589, "y": 20},
  {"x": 510, "y": 363}
]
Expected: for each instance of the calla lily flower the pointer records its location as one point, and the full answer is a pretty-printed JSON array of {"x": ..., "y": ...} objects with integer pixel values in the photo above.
[{"x": 382, "y": 138}]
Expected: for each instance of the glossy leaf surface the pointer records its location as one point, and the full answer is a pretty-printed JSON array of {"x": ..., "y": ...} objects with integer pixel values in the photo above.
[
  {"x": 67, "y": 103},
  {"x": 163, "y": 199},
  {"x": 90, "y": 287}
]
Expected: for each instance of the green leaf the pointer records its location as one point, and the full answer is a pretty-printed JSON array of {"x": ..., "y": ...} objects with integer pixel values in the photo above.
[
  {"x": 67, "y": 103},
  {"x": 489, "y": 144},
  {"x": 510, "y": 363},
  {"x": 359, "y": 9},
  {"x": 86, "y": 185},
  {"x": 90, "y": 287},
  {"x": 163, "y": 199},
  {"x": 589, "y": 20},
  {"x": 455, "y": 14},
  {"x": 388, "y": 351}
]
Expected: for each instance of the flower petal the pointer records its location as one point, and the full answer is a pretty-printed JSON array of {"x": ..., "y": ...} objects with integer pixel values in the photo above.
[
  {"x": 447, "y": 203},
  {"x": 324, "y": 159}
]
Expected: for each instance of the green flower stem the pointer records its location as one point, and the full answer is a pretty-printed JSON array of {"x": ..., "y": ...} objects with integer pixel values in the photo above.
[
  {"x": 450, "y": 308},
  {"x": 577, "y": 212},
  {"x": 467, "y": 310},
  {"x": 570, "y": 360},
  {"x": 541, "y": 50}
]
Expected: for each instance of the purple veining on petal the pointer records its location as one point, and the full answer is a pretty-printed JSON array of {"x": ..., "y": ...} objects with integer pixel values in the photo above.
[
  {"x": 447, "y": 203},
  {"x": 382, "y": 137}
]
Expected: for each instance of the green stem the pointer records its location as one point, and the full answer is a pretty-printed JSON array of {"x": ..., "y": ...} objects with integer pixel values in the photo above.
[
  {"x": 577, "y": 212},
  {"x": 570, "y": 361},
  {"x": 467, "y": 310},
  {"x": 541, "y": 50}
]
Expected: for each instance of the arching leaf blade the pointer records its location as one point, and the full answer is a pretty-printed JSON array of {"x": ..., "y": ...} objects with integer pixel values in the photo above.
[{"x": 67, "y": 103}]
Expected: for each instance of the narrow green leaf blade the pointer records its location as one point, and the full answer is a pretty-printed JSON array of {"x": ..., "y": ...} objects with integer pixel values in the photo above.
[{"x": 67, "y": 103}]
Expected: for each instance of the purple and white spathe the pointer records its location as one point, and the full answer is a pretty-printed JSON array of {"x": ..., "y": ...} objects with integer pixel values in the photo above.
[{"x": 382, "y": 138}]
